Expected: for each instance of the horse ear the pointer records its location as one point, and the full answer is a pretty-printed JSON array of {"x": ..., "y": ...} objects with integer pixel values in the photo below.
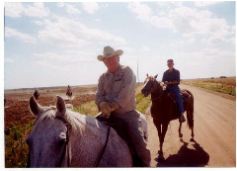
[
  {"x": 156, "y": 76},
  {"x": 147, "y": 75},
  {"x": 35, "y": 108},
  {"x": 61, "y": 108}
]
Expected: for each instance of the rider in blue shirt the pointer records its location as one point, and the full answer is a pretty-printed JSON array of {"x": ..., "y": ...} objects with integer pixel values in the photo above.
[{"x": 171, "y": 78}]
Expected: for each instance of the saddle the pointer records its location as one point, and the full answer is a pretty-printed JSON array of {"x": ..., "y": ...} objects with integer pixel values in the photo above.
[{"x": 184, "y": 94}]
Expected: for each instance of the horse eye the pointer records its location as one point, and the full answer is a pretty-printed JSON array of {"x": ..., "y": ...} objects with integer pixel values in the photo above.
[{"x": 62, "y": 137}]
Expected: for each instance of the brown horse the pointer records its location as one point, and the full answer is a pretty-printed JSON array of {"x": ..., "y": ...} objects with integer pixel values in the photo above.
[
  {"x": 164, "y": 109},
  {"x": 69, "y": 92}
]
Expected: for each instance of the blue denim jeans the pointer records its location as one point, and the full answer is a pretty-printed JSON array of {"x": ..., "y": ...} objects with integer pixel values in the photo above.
[{"x": 179, "y": 100}]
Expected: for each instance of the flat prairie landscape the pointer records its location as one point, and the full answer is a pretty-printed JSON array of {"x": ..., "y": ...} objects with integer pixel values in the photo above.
[{"x": 214, "y": 120}]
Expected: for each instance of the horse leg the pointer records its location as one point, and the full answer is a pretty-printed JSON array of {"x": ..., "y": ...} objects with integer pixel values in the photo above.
[
  {"x": 191, "y": 121},
  {"x": 160, "y": 151},
  {"x": 192, "y": 135},
  {"x": 159, "y": 135},
  {"x": 163, "y": 133},
  {"x": 180, "y": 132}
]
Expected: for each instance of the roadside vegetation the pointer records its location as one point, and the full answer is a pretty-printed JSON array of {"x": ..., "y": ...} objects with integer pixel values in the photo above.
[
  {"x": 90, "y": 108},
  {"x": 16, "y": 149},
  {"x": 226, "y": 85}
]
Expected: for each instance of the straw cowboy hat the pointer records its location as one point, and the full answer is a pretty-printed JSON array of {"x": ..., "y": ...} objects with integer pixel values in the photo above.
[{"x": 109, "y": 52}]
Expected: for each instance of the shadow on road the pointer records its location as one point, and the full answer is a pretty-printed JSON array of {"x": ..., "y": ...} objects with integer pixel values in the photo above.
[{"x": 187, "y": 157}]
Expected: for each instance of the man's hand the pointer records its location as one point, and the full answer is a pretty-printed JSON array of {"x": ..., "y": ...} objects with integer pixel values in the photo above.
[
  {"x": 114, "y": 106},
  {"x": 106, "y": 108}
]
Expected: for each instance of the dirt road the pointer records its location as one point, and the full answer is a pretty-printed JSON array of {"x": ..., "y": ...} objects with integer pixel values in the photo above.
[{"x": 214, "y": 127}]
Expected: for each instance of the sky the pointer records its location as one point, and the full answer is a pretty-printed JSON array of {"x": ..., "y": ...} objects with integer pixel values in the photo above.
[{"x": 56, "y": 44}]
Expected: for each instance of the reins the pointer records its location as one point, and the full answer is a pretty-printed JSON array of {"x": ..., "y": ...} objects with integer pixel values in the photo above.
[
  {"x": 103, "y": 149},
  {"x": 67, "y": 151},
  {"x": 68, "y": 125}
]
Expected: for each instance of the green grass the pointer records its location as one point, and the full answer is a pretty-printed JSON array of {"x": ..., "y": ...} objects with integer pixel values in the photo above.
[
  {"x": 88, "y": 108},
  {"x": 16, "y": 149},
  {"x": 222, "y": 85},
  {"x": 142, "y": 103}
]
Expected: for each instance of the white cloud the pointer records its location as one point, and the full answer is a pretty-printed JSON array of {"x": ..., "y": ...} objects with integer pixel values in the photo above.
[
  {"x": 17, "y": 9},
  {"x": 144, "y": 13},
  {"x": 206, "y": 3},
  {"x": 72, "y": 33},
  {"x": 69, "y": 7},
  {"x": 142, "y": 10},
  {"x": 10, "y": 32},
  {"x": 67, "y": 59},
  {"x": 188, "y": 21},
  {"x": 60, "y": 4},
  {"x": 13, "y": 9},
  {"x": 90, "y": 7},
  {"x": 72, "y": 9}
]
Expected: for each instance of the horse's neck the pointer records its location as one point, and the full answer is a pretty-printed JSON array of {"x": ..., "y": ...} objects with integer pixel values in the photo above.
[
  {"x": 156, "y": 95},
  {"x": 87, "y": 140}
]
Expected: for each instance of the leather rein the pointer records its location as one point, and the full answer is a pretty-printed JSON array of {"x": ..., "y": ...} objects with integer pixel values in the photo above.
[{"x": 67, "y": 145}]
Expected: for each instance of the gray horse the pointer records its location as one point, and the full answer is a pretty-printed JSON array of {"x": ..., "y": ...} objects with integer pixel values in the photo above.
[{"x": 63, "y": 138}]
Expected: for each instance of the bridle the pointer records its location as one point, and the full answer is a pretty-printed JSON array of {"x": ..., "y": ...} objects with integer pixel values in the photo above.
[
  {"x": 67, "y": 150},
  {"x": 154, "y": 87}
]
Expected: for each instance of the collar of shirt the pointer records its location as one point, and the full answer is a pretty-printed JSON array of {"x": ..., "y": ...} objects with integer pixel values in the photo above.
[{"x": 118, "y": 73}]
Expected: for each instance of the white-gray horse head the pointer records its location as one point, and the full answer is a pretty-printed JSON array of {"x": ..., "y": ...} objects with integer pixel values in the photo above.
[{"x": 49, "y": 138}]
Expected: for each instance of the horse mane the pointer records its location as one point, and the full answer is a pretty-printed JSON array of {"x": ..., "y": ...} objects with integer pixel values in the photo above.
[{"x": 77, "y": 120}]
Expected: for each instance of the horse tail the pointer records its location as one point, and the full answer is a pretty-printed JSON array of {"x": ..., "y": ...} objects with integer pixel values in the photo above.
[{"x": 190, "y": 110}]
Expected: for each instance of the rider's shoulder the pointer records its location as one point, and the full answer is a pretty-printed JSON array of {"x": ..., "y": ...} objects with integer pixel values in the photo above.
[
  {"x": 126, "y": 69},
  {"x": 176, "y": 70},
  {"x": 103, "y": 76}
]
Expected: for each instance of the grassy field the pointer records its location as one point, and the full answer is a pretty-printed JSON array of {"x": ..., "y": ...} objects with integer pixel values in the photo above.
[
  {"x": 226, "y": 85},
  {"x": 90, "y": 108},
  {"x": 19, "y": 120}
]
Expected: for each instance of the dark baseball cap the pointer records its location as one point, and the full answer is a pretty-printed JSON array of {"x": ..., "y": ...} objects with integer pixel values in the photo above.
[{"x": 170, "y": 60}]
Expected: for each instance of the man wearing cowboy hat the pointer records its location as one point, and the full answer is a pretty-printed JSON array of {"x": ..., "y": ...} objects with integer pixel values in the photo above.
[{"x": 115, "y": 99}]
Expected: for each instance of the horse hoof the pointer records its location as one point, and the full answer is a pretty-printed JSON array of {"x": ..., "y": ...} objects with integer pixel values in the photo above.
[
  {"x": 192, "y": 139},
  {"x": 160, "y": 153},
  {"x": 160, "y": 158}
]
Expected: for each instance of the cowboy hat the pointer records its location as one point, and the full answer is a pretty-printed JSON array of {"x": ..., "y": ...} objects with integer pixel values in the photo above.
[{"x": 109, "y": 52}]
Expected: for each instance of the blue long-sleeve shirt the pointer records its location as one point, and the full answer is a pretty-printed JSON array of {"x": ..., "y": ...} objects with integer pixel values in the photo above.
[{"x": 172, "y": 75}]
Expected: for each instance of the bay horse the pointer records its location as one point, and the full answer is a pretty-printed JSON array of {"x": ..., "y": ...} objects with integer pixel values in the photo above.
[
  {"x": 63, "y": 138},
  {"x": 164, "y": 109}
]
